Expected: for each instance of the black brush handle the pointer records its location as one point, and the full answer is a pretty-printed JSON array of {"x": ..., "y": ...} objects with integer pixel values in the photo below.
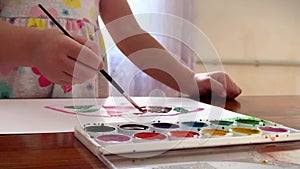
[
  {"x": 103, "y": 72},
  {"x": 55, "y": 22},
  {"x": 112, "y": 81}
]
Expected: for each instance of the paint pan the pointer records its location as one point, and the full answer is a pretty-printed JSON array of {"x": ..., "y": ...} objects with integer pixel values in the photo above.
[
  {"x": 193, "y": 125},
  {"x": 210, "y": 132},
  {"x": 243, "y": 131},
  {"x": 221, "y": 124},
  {"x": 130, "y": 129},
  {"x": 249, "y": 123},
  {"x": 149, "y": 137},
  {"x": 108, "y": 139},
  {"x": 273, "y": 130},
  {"x": 164, "y": 127},
  {"x": 95, "y": 130},
  {"x": 182, "y": 134}
]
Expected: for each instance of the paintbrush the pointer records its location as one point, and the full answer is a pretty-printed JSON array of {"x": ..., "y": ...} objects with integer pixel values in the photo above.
[{"x": 103, "y": 72}]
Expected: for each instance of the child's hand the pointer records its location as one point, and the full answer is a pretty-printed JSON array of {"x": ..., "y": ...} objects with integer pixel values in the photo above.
[
  {"x": 219, "y": 83},
  {"x": 65, "y": 61}
]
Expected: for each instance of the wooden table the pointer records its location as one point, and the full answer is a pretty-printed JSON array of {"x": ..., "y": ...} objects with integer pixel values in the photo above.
[{"x": 63, "y": 150}]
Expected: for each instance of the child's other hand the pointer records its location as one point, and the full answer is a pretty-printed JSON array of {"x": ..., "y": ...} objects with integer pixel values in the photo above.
[
  {"x": 218, "y": 83},
  {"x": 65, "y": 61}
]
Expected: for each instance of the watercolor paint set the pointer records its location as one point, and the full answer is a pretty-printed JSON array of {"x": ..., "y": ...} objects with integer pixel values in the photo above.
[
  {"x": 124, "y": 138},
  {"x": 173, "y": 125}
]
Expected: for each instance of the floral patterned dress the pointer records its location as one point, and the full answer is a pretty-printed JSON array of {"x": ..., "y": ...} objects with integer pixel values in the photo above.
[{"x": 78, "y": 16}]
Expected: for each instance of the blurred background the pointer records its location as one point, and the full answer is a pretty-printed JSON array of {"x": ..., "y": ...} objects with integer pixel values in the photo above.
[{"x": 258, "y": 42}]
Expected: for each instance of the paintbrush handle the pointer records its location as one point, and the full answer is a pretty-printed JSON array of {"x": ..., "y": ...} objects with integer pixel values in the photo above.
[
  {"x": 118, "y": 87},
  {"x": 103, "y": 72},
  {"x": 112, "y": 81},
  {"x": 55, "y": 22}
]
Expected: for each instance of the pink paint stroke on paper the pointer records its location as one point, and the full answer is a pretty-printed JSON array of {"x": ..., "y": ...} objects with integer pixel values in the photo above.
[
  {"x": 73, "y": 113},
  {"x": 130, "y": 108},
  {"x": 196, "y": 110},
  {"x": 117, "y": 110},
  {"x": 120, "y": 111}
]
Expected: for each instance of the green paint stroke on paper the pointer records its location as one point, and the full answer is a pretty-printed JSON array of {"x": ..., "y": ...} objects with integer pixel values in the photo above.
[
  {"x": 180, "y": 110},
  {"x": 88, "y": 110},
  {"x": 83, "y": 107}
]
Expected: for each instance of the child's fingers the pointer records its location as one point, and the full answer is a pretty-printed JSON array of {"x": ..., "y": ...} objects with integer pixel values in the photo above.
[
  {"x": 89, "y": 58},
  {"x": 67, "y": 79},
  {"x": 217, "y": 88},
  {"x": 90, "y": 44},
  {"x": 232, "y": 89},
  {"x": 85, "y": 56},
  {"x": 71, "y": 79},
  {"x": 208, "y": 84},
  {"x": 77, "y": 70}
]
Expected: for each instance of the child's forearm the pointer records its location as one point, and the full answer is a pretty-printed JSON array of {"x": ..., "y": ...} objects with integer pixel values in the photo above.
[
  {"x": 153, "y": 59},
  {"x": 143, "y": 49},
  {"x": 16, "y": 45}
]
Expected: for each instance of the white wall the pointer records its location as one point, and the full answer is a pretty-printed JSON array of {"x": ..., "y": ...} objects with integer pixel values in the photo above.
[{"x": 254, "y": 31}]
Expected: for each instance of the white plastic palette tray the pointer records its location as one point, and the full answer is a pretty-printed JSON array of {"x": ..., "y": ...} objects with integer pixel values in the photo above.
[{"x": 206, "y": 113}]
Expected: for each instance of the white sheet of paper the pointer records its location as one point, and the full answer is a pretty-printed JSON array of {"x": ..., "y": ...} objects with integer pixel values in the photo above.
[{"x": 19, "y": 116}]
